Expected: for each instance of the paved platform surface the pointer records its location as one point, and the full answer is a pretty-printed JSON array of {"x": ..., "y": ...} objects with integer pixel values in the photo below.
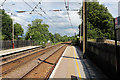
[
  {"x": 72, "y": 66},
  {"x": 8, "y": 51}
]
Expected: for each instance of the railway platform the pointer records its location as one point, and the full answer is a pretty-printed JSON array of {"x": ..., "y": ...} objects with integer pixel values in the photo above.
[
  {"x": 9, "y": 51},
  {"x": 72, "y": 66}
]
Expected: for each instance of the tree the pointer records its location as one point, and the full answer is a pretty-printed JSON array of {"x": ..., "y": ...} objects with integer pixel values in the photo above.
[
  {"x": 6, "y": 26},
  {"x": 18, "y": 30},
  {"x": 38, "y": 32},
  {"x": 51, "y": 36},
  {"x": 65, "y": 38},
  {"x": 58, "y": 37},
  {"x": 99, "y": 21}
]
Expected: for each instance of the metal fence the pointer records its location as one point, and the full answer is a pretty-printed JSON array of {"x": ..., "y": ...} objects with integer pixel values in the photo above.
[{"x": 7, "y": 44}]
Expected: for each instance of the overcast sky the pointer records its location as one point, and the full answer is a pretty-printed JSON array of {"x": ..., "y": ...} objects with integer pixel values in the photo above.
[{"x": 58, "y": 21}]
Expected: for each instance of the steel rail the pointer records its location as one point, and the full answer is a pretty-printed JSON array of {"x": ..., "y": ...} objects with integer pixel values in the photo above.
[
  {"x": 27, "y": 60},
  {"x": 40, "y": 63}
]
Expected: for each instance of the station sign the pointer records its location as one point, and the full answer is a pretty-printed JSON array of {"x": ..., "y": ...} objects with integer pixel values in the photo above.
[
  {"x": 19, "y": 36},
  {"x": 117, "y": 22}
]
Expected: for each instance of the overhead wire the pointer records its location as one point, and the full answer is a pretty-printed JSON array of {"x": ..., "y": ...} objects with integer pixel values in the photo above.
[
  {"x": 40, "y": 8},
  {"x": 35, "y": 6},
  {"x": 19, "y": 17},
  {"x": 3, "y": 3},
  {"x": 44, "y": 12},
  {"x": 33, "y": 2},
  {"x": 32, "y": 8},
  {"x": 37, "y": 11},
  {"x": 16, "y": 16},
  {"x": 67, "y": 8},
  {"x": 11, "y": 12},
  {"x": 68, "y": 4}
]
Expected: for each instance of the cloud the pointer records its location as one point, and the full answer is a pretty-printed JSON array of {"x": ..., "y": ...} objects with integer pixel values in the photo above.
[
  {"x": 58, "y": 21},
  {"x": 58, "y": 0},
  {"x": 112, "y": 7},
  {"x": 40, "y": 0},
  {"x": 71, "y": 31},
  {"x": 24, "y": 23},
  {"x": 75, "y": 18},
  {"x": 108, "y": 1}
]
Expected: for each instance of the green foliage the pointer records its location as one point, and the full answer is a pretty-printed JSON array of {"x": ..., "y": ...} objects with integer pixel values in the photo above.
[
  {"x": 75, "y": 41},
  {"x": 1, "y": 35},
  {"x": 99, "y": 21},
  {"x": 51, "y": 36},
  {"x": 18, "y": 31},
  {"x": 58, "y": 37},
  {"x": 6, "y": 26},
  {"x": 65, "y": 38},
  {"x": 38, "y": 31},
  {"x": 93, "y": 32}
]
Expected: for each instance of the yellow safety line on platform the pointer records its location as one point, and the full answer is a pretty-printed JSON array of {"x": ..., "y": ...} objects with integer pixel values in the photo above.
[{"x": 77, "y": 65}]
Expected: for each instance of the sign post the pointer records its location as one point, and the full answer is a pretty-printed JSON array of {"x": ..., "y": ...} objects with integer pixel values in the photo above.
[
  {"x": 116, "y": 48},
  {"x": 116, "y": 21}
]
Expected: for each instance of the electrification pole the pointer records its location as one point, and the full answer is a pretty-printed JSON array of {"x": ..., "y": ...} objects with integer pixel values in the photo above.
[
  {"x": 13, "y": 34},
  {"x": 84, "y": 26}
]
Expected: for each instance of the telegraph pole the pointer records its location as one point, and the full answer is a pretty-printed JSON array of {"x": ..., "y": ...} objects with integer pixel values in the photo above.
[{"x": 84, "y": 26}]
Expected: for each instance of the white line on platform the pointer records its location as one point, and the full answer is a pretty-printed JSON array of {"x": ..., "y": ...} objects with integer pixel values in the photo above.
[{"x": 54, "y": 70}]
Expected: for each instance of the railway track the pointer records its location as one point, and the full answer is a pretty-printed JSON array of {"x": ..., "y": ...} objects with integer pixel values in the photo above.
[
  {"x": 6, "y": 58},
  {"x": 13, "y": 64},
  {"x": 45, "y": 68}
]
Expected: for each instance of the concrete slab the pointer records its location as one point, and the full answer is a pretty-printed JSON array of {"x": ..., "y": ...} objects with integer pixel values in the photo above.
[
  {"x": 72, "y": 66},
  {"x": 9, "y": 51}
]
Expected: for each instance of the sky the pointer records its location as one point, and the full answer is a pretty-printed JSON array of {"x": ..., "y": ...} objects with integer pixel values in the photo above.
[{"x": 58, "y": 21}]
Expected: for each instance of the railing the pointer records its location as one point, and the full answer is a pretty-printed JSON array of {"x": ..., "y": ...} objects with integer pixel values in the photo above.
[{"x": 7, "y": 44}]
